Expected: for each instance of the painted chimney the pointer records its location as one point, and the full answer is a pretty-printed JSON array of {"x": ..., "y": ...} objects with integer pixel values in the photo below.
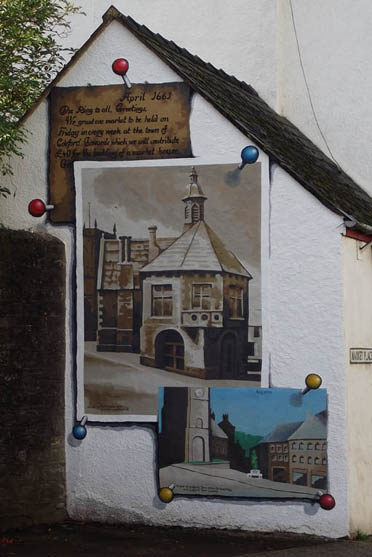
[{"x": 154, "y": 249}]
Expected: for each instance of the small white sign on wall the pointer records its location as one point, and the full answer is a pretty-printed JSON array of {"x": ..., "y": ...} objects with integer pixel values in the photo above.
[{"x": 361, "y": 355}]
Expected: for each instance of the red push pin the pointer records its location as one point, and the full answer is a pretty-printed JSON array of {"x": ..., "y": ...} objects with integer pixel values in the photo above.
[
  {"x": 120, "y": 66},
  {"x": 327, "y": 502},
  {"x": 37, "y": 207}
]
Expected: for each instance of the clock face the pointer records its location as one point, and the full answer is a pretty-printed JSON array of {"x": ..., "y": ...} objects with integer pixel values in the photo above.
[{"x": 199, "y": 393}]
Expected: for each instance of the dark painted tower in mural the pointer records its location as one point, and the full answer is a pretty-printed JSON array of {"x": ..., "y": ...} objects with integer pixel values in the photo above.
[
  {"x": 189, "y": 431},
  {"x": 91, "y": 246},
  {"x": 195, "y": 301}
]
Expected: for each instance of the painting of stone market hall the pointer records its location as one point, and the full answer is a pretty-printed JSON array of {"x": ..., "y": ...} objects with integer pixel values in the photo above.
[{"x": 182, "y": 302}]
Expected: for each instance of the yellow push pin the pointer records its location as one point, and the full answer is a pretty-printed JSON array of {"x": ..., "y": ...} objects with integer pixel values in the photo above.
[
  {"x": 313, "y": 381},
  {"x": 166, "y": 494}
]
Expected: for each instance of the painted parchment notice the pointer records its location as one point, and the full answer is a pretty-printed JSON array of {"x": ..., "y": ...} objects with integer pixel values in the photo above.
[{"x": 97, "y": 123}]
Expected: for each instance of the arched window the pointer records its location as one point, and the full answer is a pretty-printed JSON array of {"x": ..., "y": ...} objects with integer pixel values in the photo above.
[
  {"x": 324, "y": 461},
  {"x": 316, "y": 460},
  {"x": 294, "y": 445},
  {"x": 309, "y": 446},
  {"x": 301, "y": 459},
  {"x": 187, "y": 212},
  {"x": 294, "y": 458},
  {"x": 324, "y": 447},
  {"x": 301, "y": 446},
  {"x": 272, "y": 448},
  {"x": 310, "y": 460},
  {"x": 317, "y": 446},
  {"x": 198, "y": 449}
]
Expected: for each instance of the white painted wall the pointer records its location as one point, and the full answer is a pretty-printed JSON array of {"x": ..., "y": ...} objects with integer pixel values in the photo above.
[
  {"x": 303, "y": 311},
  {"x": 255, "y": 41},
  {"x": 111, "y": 474},
  {"x": 358, "y": 334},
  {"x": 238, "y": 37},
  {"x": 335, "y": 43}
]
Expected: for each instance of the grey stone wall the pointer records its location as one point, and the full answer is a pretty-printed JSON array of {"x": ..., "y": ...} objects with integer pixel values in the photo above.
[{"x": 32, "y": 367}]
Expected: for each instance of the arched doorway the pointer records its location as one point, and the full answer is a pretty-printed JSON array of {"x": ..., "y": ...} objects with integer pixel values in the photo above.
[
  {"x": 198, "y": 449},
  {"x": 170, "y": 351},
  {"x": 229, "y": 357}
]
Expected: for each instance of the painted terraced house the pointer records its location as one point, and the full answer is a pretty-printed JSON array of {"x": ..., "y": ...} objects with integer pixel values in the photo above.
[
  {"x": 183, "y": 303},
  {"x": 296, "y": 452}
]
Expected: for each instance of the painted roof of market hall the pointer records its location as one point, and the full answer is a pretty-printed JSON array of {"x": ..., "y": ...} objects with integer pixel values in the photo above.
[
  {"x": 199, "y": 248},
  {"x": 281, "y": 140}
]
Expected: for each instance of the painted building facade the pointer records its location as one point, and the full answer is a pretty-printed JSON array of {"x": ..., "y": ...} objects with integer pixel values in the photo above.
[
  {"x": 308, "y": 452},
  {"x": 195, "y": 302},
  {"x": 183, "y": 303},
  {"x": 112, "y": 297},
  {"x": 273, "y": 453},
  {"x": 296, "y": 452}
]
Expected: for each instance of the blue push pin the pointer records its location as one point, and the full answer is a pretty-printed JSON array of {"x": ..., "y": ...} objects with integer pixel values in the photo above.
[
  {"x": 249, "y": 155},
  {"x": 79, "y": 431}
]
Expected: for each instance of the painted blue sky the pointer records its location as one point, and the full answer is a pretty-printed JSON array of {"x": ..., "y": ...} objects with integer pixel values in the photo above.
[{"x": 258, "y": 411}]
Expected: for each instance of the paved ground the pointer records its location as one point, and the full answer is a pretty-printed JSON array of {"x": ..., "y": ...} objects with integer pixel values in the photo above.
[
  {"x": 338, "y": 549},
  {"x": 217, "y": 480},
  {"x": 97, "y": 540},
  {"x": 116, "y": 383}
]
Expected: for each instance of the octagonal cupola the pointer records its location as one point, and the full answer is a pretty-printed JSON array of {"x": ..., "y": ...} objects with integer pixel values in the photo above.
[{"x": 194, "y": 201}]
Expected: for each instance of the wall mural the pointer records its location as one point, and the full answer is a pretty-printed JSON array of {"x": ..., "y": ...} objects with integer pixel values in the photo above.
[
  {"x": 98, "y": 123},
  {"x": 243, "y": 442},
  {"x": 170, "y": 278}
]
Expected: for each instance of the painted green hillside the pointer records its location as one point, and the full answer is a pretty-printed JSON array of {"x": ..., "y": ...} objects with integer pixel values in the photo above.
[{"x": 247, "y": 441}]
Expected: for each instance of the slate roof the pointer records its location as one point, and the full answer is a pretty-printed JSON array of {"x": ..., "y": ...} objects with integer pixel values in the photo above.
[
  {"x": 285, "y": 144},
  {"x": 281, "y": 433},
  {"x": 197, "y": 249},
  {"x": 216, "y": 431},
  {"x": 314, "y": 427}
]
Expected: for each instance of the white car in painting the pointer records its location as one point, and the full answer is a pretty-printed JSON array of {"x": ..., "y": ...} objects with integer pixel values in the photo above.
[{"x": 254, "y": 474}]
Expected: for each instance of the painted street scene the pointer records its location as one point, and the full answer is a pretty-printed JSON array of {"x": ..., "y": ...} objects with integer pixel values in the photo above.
[
  {"x": 243, "y": 442},
  {"x": 171, "y": 282}
]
